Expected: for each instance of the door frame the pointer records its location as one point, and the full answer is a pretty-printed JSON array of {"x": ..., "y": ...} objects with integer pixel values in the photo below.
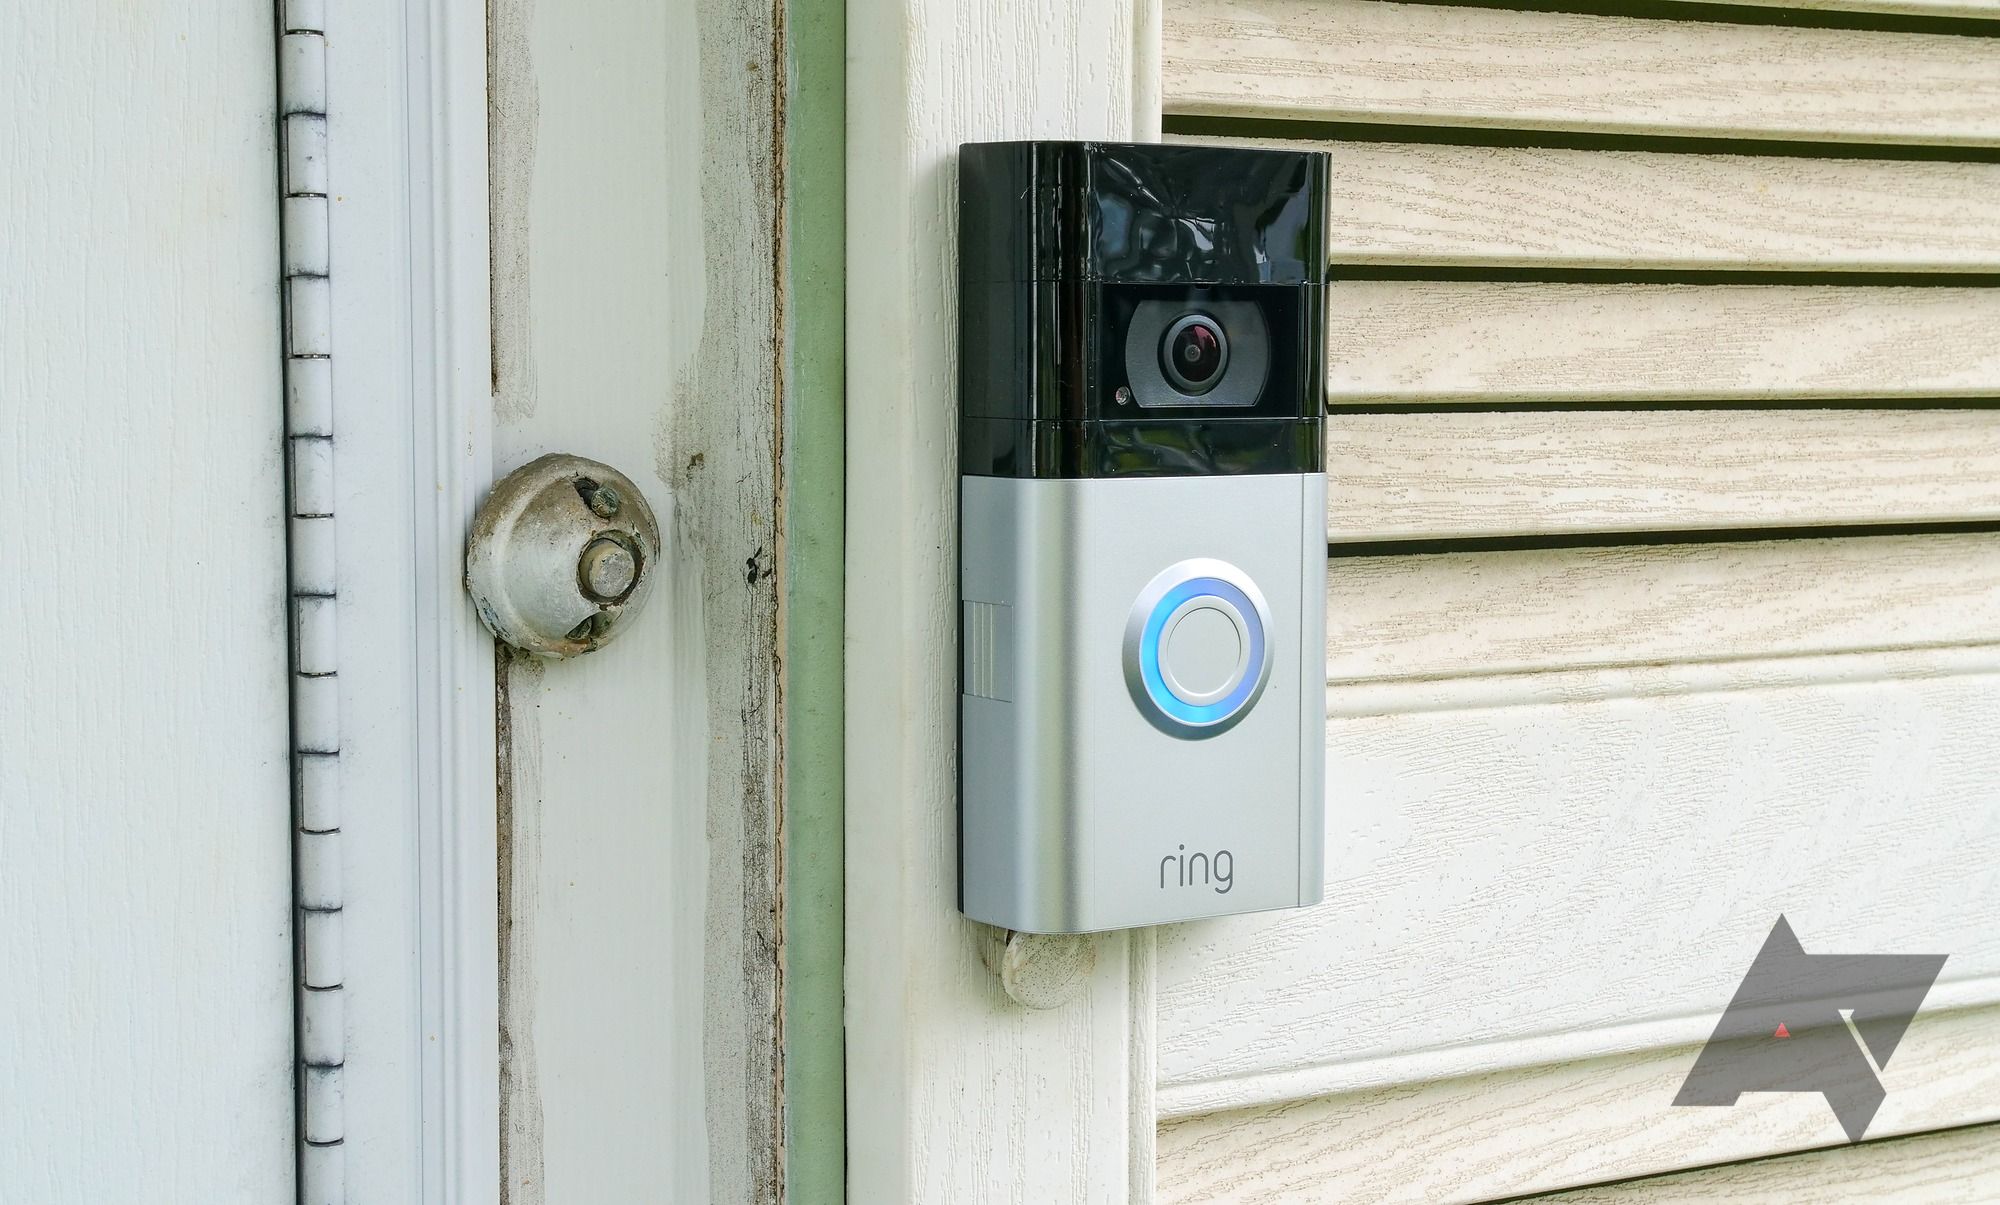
[
  {"x": 957, "y": 1093},
  {"x": 411, "y": 284},
  {"x": 812, "y": 540}
]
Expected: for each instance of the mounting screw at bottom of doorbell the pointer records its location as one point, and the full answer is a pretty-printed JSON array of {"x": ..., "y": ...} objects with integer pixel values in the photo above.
[{"x": 562, "y": 555}]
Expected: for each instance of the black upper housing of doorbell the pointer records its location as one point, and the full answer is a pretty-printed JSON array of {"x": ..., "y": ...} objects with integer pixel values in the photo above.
[{"x": 1140, "y": 311}]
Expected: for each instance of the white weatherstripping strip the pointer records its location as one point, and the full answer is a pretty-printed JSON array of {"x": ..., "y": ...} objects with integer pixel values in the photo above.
[{"x": 322, "y": 1020}]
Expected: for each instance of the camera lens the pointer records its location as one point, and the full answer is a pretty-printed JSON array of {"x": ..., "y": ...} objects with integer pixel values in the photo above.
[{"x": 1194, "y": 353}]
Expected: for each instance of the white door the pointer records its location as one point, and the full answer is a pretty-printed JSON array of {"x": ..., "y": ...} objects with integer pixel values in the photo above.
[
  {"x": 274, "y": 322},
  {"x": 1662, "y": 598},
  {"x": 145, "y": 805}
]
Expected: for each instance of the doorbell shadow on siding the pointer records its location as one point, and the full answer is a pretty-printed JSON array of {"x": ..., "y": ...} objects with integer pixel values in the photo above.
[{"x": 1142, "y": 559}]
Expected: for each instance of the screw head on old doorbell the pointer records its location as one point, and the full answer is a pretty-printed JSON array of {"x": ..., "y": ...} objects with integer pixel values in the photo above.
[{"x": 1143, "y": 550}]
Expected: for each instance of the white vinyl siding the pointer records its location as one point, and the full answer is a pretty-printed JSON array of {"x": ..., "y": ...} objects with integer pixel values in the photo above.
[
  {"x": 1485, "y": 68},
  {"x": 1416, "y": 203},
  {"x": 1541, "y": 473},
  {"x": 1661, "y": 371}
]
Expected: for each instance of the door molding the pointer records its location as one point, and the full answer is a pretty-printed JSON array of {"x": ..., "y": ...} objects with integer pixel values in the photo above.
[
  {"x": 408, "y": 349},
  {"x": 955, "y": 1092}
]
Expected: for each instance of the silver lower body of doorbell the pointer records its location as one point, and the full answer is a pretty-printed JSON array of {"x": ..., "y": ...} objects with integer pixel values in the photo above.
[{"x": 1143, "y": 701}]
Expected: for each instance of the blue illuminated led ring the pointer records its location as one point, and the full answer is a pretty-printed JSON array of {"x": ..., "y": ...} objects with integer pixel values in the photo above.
[{"x": 1191, "y": 585}]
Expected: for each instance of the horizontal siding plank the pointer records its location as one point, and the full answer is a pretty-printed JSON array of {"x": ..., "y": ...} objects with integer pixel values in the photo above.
[
  {"x": 1556, "y": 826},
  {"x": 1976, "y": 10},
  {"x": 1521, "y": 885},
  {"x": 1498, "y": 206},
  {"x": 1369, "y": 61},
  {"x": 1494, "y": 613},
  {"x": 1532, "y": 1129},
  {"x": 1399, "y": 203},
  {"x": 1470, "y": 474},
  {"x": 1961, "y": 1165},
  {"x": 1500, "y": 882},
  {"x": 1458, "y": 341}
]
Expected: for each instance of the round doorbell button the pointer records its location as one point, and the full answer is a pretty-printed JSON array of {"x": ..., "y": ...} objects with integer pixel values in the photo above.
[
  {"x": 1196, "y": 656},
  {"x": 1204, "y": 650}
]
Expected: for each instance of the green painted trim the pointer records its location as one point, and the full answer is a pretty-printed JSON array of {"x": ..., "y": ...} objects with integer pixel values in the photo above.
[{"x": 815, "y": 470}]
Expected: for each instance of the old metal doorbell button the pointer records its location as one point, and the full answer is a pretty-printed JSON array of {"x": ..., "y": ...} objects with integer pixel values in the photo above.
[{"x": 561, "y": 556}]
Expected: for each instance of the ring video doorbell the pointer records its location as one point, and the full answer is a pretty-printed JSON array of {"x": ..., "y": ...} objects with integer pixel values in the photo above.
[{"x": 1143, "y": 544}]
